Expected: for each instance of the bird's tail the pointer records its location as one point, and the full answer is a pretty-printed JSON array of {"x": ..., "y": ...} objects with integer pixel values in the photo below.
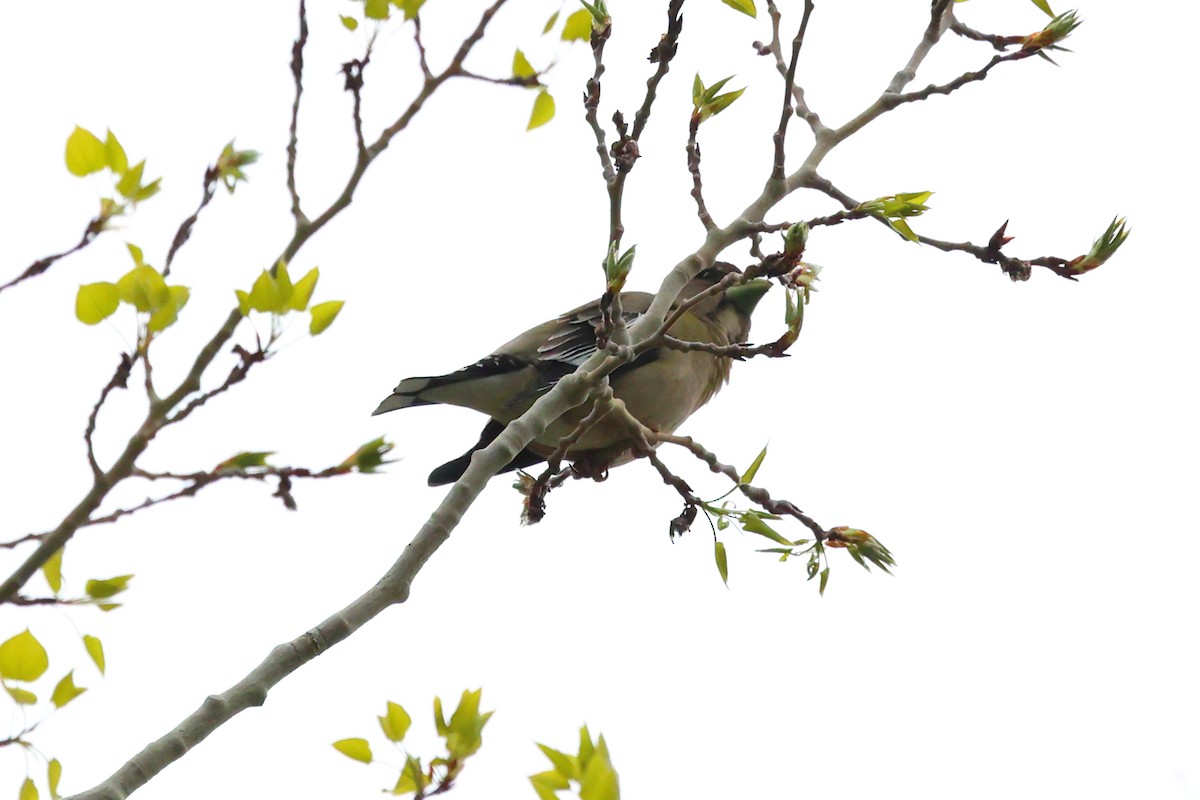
[{"x": 408, "y": 393}]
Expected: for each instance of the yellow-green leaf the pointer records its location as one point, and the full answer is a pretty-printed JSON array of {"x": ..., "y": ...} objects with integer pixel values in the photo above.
[
  {"x": 135, "y": 253},
  {"x": 521, "y": 67},
  {"x": 144, "y": 288},
  {"x": 755, "y": 524},
  {"x": 395, "y": 722},
  {"x": 114, "y": 154},
  {"x": 543, "y": 110},
  {"x": 166, "y": 316},
  {"x": 350, "y": 22},
  {"x": 411, "y": 7},
  {"x": 744, "y": 6},
  {"x": 22, "y": 697},
  {"x": 265, "y": 295},
  {"x": 103, "y": 589},
  {"x": 578, "y": 26},
  {"x": 753, "y": 470},
  {"x": 52, "y": 569},
  {"x": 412, "y": 777},
  {"x": 323, "y": 315},
  {"x": 547, "y": 783},
  {"x": 96, "y": 302},
  {"x": 550, "y": 23},
  {"x": 302, "y": 291},
  {"x": 358, "y": 749},
  {"x": 243, "y": 299},
  {"x": 95, "y": 649},
  {"x": 564, "y": 765},
  {"x": 85, "y": 153},
  {"x": 53, "y": 776},
  {"x": 22, "y": 658},
  {"x": 1044, "y": 6},
  {"x": 599, "y": 781},
  {"x": 28, "y": 790},
  {"x": 377, "y": 9},
  {"x": 65, "y": 690},
  {"x": 131, "y": 180},
  {"x": 722, "y": 561}
]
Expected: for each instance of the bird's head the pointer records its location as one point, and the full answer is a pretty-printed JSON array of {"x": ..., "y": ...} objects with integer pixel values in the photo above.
[{"x": 733, "y": 308}]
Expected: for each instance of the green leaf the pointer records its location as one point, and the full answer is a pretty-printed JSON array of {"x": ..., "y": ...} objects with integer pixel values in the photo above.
[
  {"x": 144, "y": 288},
  {"x": 599, "y": 781},
  {"x": 744, "y": 6},
  {"x": 722, "y": 561},
  {"x": 521, "y": 67},
  {"x": 369, "y": 457},
  {"x": 265, "y": 295},
  {"x": 65, "y": 690},
  {"x": 147, "y": 191},
  {"x": 395, "y": 722},
  {"x": 410, "y": 7},
  {"x": 323, "y": 315},
  {"x": 564, "y": 765},
  {"x": 245, "y": 460},
  {"x": 378, "y": 9},
  {"x": 22, "y": 697},
  {"x": 95, "y": 649},
  {"x": 103, "y": 589},
  {"x": 52, "y": 569},
  {"x": 243, "y": 299},
  {"x": 697, "y": 90},
  {"x": 53, "y": 776},
  {"x": 754, "y": 524},
  {"x": 96, "y": 302},
  {"x": 131, "y": 180},
  {"x": 550, "y": 23},
  {"x": 358, "y": 749},
  {"x": 439, "y": 720},
  {"x": 545, "y": 784},
  {"x": 1044, "y": 6},
  {"x": 464, "y": 734},
  {"x": 302, "y": 291},
  {"x": 543, "y": 110},
  {"x": 114, "y": 154},
  {"x": 578, "y": 26},
  {"x": 165, "y": 317},
  {"x": 28, "y": 790},
  {"x": 350, "y": 22},
  {"x": 412, "y": 777},
  {"x": 901, "y": 227},
  {"x": 85, "y": 153},
  {"x": 824, "y": 581},
  {"x": 749, "y": 474},
  {"x": 22, "y": 658},
  {"x": 136, "y": 254}
]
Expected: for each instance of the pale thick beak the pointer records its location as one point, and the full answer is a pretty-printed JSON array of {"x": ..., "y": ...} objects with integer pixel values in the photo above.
[{"x": 745, "y": 297}]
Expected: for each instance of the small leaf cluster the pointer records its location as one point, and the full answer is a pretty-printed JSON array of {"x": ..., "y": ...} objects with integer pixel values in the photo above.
[
  {"x": 370, "y": 457},
  {"x": 275, "y": 294},
  {"x": 1056, "y": 31},
  {"x": 862, "y": 547},
  {"x": 87, "y": 154},
  {"x": 896, "y": 208},
  {"x": 380, "y": 10},
  {"x": 617, "y": 268},
  {"x": 706, "y": 102},
  {"x": 590, "y": 770},
  {"x": 463, "y": 736},
  {"x": 24, "y": 660},
  {"x": 143, "y": 287},
  {"x": 1103, "y": 248},
  {"x": 230, "y": 163}
]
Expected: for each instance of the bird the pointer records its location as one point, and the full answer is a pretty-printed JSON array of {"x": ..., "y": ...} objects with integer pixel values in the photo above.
[{"x": 661, "y": 388}]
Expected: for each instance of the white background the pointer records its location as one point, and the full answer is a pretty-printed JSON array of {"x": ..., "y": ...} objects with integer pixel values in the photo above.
[{"x": 1027, "y": 451}]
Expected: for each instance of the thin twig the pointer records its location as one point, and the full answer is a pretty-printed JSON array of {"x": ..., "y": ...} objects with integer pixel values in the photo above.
[
  {"x": 293, "y": 129},
  {"x": 693, "y": 162},
  {"x": 93, "y": 229},
  {"x": 777, "y": 168},
  {"x": 211, "y": 175}
]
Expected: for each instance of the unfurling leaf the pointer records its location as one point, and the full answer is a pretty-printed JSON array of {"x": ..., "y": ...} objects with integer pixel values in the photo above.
[
  {"x": 749, "y": 474},
  {"x": 66, "y": 690},
  {"x": 246, "y": 460},
  {"x": 722, "y": 561},
  {"x": 144, "y": 288},
  {"x": 96, "y": 302},
  {"x": 110, "y": 587},
  {"x": 22, "y": 658},
  {"x": 521, "y": 68},
  {"x": 543, "y": 110},
  {"x": 369, "y": 457},
  {"x": 85, "y": 153},
  {"x": 578, "y": 26},
  {"x": 95, "y": 649},
  {"x": 744, "y": 6},
  {"x": 358, "y": 749},
  {"x": 395, "y": 722},
  {"x": 323, "y": 315},
  {"x": 52, "y": 569}
]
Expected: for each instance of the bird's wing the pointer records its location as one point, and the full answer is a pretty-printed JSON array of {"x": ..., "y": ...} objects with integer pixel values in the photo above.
[{"x": 557, "y": 348}]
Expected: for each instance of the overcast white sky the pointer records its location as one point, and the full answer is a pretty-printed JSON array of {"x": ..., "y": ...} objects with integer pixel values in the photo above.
[{"x": 1026, "y": 451}]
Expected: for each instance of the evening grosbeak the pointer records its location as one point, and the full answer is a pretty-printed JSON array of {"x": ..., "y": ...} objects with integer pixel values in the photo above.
[{"x": 662, "y": 388}]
